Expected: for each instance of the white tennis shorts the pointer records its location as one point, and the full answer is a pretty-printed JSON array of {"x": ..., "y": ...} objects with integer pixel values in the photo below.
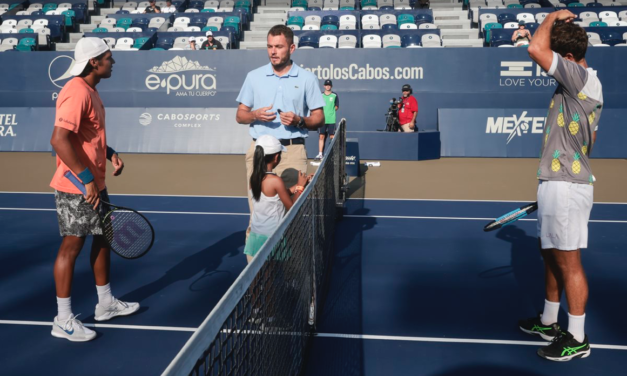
[{"x": 563, "y": 214}]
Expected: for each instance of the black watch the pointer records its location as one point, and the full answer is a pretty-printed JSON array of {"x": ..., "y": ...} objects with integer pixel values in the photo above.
[{"x": 301, "y": 123}]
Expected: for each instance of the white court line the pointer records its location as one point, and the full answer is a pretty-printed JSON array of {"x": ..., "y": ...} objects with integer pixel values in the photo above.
[
  {"x": 324, "y": 335},
  {"x": 110, "y": 326},
  {"x": 352, "y": 199},
  {"x": 459, "y": 218},
  {"x": 129, "y": 194},
  {"x": 455, "y": 340},
  {"x": 141, "y": 211}
]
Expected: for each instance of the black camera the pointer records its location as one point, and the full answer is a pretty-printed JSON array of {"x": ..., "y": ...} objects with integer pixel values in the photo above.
[{"x": 392, "y": 123}]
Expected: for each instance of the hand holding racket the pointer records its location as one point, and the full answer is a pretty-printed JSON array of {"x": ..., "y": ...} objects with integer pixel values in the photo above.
[
  {"x": 511, "y": 217},
  {"x": 128, "y": 232}
]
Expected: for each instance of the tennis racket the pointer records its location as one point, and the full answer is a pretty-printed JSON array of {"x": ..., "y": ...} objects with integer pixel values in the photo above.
[
  {"x": 128, "y": 233},
  {"x": 511, "y": 217}
]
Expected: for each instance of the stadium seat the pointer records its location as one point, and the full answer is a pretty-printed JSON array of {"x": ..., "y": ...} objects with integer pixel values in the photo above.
[
  {"x": 527, "y": 17},
  {"x": 371, "y": 41},
  {"x": 26, "y": 30},
  {"x": 387, "y": 19},
  {"x": 432, "y": 40},
  {"x": 197, "y": 21},
  {"x": 405, "y": 19},
  {"x": 511, "y": 25},
  {"x": 421, "y": 18},
  {"x": 294, "y": 27},
  {"x": 331, "y": 5},
  {"x": 410, "y": 41},
  {"x": 100, "y": 30},
  {"x": 139, "y": 42},
  {"x": 622, "y": 15},
  {"x": 109, "y": 41},
  {"x": 134, "y": 30},
  {"x": 191, "y": 28},
  {"x": 299, "y": 4},
  {"x": 156, "y": 22},
  {"x": 43, "y": 36},
  {"x": 427, "y": 26},
  {"x": 594, "y": 38},
  {"x": 311, "y": 27},
  {"x": 70, "y": 15},
  {"x": 389, "y": 27},
  {"x": 369, "y": 19},
  {"x": 174, "y": 29},
  {"x": 296, "y": 20},
  {"x": 408, "y": 26},
  {"x": 308, "y": 41},
  {"x": 184, "y": 21},
  {"x": 48, "y": 7},
  {"x": 369, "y": 5},
  {"x": 123, "y": 11},
  {"x": 215, "y": 21},
  {"x": 540, "y": 17},
  {"x": 7, "y": 29},
  {"x": 130, "y": 5},
  {"x": 612, "y": 38},
  {"x": 206, "y": 10},
  {"x": 598, "y": 24},
  {"x": 402, "y": 4},
  {"x": 124, "y": 44},
  {"x": 488, "y": 27},
  {"x": 515, "y": 6},
  {"x": 124, "y": 23},
  {"x": 607, "y": 15},
  {"x": 504, "y": 18},
  {"x": 26, "y": 44},
  {"x": 330, "y": 20},
  {"x": 209, "y": 28},
  {"x": 313, "y": 20},
  {"x": 391, "y": 41},
  {"x": 328, "y": 27},
  {"x": 347, "y": 41},
  {"x": 385, "y": 3},
  {"x": 141, "y": 22},
  {"x": 165, "y": 43},
  {"x": 327, "y": 41},
  {"x": 532, "y": 5},
  {"x": 348, "y": 22},
  {"x": 486, "y": 18},
  {"x": 499, "y": 40},
  {"x": 315, "y": 5},
  {"x": 575, "y": 5},
  {"x": 594, "y": 5}
]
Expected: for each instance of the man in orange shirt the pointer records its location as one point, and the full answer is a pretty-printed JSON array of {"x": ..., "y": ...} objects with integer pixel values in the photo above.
[{"x": 79, "y": 139}]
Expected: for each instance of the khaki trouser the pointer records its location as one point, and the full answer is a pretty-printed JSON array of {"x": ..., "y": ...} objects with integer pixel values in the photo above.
[
  {"x": 406, "y": 128},
  {"x": 292, "y": 161}
]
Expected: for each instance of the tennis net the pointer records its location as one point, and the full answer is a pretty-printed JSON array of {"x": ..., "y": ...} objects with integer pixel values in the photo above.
[{"x": 263, "y": 324}]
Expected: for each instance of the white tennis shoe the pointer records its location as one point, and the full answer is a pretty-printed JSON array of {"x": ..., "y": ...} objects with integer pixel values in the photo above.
[
  {"x": 117, "y": 308},
  {"x": 72, "y": 329}
]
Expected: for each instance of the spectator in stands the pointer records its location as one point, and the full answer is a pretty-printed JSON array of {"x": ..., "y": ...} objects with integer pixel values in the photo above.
[
  {"x": 192, "y": 44},
  {"x": 211, "y": 43},
  {"x": 408, "y": 110},
  {"x": 152, "y": 8},
  {"x": 522, "y": 36},
  {"x": 422, "y": 4},
  {"x": 79, "y": 139},
  {"x": 565, "y": 193},
  {"x": 281, "y": 88},
  {"x": 331, "y": 105},
  {"x": 168, "y": 8}
]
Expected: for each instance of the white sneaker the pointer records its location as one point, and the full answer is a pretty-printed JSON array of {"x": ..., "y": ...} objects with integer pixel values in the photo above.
[
  {"x": 72, "y": 329},
  {"x": 318, "y": 157},
  {"x": 117, "y": 308}
]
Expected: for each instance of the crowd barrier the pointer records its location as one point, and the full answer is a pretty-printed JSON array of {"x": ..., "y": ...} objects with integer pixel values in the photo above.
[{"x": 364, "y": 79}]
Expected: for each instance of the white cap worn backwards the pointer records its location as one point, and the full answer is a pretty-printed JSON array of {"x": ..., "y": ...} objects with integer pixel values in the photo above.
[{"x": 87, "y": 48}]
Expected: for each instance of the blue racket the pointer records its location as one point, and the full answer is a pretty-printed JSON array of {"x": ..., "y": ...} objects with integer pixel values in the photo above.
[
  {"x": 128, "y": 232},
  {"x": 511, "y": 217}
]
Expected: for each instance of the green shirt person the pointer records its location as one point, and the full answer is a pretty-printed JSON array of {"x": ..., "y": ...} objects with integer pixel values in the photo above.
[{"x": 331, "y": 105}]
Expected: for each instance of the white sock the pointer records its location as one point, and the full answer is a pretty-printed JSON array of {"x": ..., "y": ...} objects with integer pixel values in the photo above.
[
  {"x": 105, "y": 298},
  {"x": 64, "y": 308},
  {"x": 576, "y": 325},
  {"x": 551, "y": 309}
]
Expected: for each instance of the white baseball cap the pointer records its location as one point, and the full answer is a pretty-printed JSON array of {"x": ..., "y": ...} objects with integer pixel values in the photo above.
[
  {"x": 270, "y": 144},
  {"x": 192, "y": 39},
  {"x": 87, "y": 48},
  {"x": 208, "y": 33}
]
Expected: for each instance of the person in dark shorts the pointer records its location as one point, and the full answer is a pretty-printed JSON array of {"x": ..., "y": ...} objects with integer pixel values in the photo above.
[
  {"x": 79, "y": 139},
  {"x": 331, "y": 105},
  {"x": 565, "y": 191}
]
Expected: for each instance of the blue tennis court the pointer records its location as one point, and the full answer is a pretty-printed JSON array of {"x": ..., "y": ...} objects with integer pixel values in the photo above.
[{"x": 416, "y": 288}]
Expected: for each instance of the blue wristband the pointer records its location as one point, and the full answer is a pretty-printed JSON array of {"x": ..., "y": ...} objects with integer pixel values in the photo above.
[
  {"x": 110, "y": 152},
  {"x": 86, "y": 176}
]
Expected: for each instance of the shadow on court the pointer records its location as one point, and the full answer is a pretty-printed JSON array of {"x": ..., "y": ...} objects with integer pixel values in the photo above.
[
  {"x": 343, "y": 308},
  {"x": 206, "y": 261}
]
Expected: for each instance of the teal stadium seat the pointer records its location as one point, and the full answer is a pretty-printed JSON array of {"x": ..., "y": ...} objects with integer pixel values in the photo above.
[
  {"x": 206, "y": 11},
  {"x": 139, "y": 42},
  {"x": 368, "y": 3},
  {"x": 157, "y": 49},
  {"x": 488, "y": 27},
  {"x": 26, "y": 30},
  {"x": 100, "y": 30},
  {"x": 328, "y": 27},
  {"x": 598, "y": 24},
  {"x": 296, "y": 20},
  {"x": 48, "y": 7},
  {"x": 124, "y": 23},
  {"x": 69, "y": 17},
  {"x": 347, "y": 8},
  {"x": 26, "y": 44},
  {"x": 209, "y": 28},
  {"x": 405, "y": 19},
  {"x": 514, "y": 6},
  {"x": 575, "y": 5},
  {"x": 299, "y": 4}
]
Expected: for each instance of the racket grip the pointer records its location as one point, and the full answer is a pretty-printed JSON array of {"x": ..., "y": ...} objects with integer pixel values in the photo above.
[{"x": 70, "y": 176}]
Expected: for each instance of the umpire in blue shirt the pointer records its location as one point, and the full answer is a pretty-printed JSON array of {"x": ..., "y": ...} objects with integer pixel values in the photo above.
[{"x": 283, "y": 100}]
